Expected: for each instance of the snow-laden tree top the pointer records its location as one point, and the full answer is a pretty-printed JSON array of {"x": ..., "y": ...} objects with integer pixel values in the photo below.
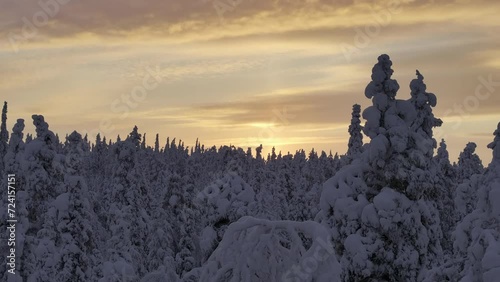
[
  {"x": 469, "y": 150},
  {"x": 387, "y": 194},
  {"x": 381, "y": 79},
  {"x": 477, "y": 236},
  {"x": 423, "y": 101},
  {"x": 74, "y": 138},
  {"x": 401, "y": 130},
  {"x": 442, "y": 151},
  {"x": 17, "y": 133},
  {"x": 4, "y": 134},
  {"x": 469, "y": 163},
  {"x": 418, "y": 93},
  {"x": 495, "y": 145},
  {"x": 42, "y": 130},
  {"x": 356, "y": 137},
  {"x": 135, "y": 137}
]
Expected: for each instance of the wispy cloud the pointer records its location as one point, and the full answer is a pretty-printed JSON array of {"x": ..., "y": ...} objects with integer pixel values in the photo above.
[{"x": 223, "y": 79}]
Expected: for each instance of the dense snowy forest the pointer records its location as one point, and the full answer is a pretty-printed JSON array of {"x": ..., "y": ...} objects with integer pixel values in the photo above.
[{"x": 391, "y": 209}]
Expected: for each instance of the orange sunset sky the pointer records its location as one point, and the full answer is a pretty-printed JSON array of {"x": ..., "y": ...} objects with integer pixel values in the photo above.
[{"x": 245, "y": 72}]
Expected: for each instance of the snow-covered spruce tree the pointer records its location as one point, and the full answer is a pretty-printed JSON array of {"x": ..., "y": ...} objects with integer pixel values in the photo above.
[
  {"x": 185, "y": 258},
  {"x": 77, "y": 224},
  {"x": 127, "y": 216},
  {"x": 477, "y": 236},
  {"x": 442, "y": 158},
  {"x": 98, "y": 169},
  {"x": 157, "y": 143},
  {"x": 355, "y": 145},
  {"x": 45, "y": 250},
  {"x": 161, "y": 236},
  {"x": 325, "y": 165},
  {"x": 258, "y": 152},
  {"x": 185, "y": 215},
  {"x": 446, "y": 204},
  {"x": 180, "y": 246},
  {"x": 381, "y": 207},
  {"x": 13, "y": 159},
  {"x": 70, "y": 225},
  {"x": 14, "y": 154},
  {"x": 287, "y": 197},
  {"x": 29, "y": 138},
  {"x": 43, "y": 171},
  {"x": 266, "y": 206},
  {"x": 97, "y": 159},
  {"x": 469, "y": 163},
  {"x": 143, "y": 142},
  {"x": 4, "y": 137},
  {"x": 305, "y": 175},
  {"x": 59, "y": 145},
  {"x": 160, "y": 242},
  {"x": 469, "y": 171},
  {"x": 159, "y": 246}
]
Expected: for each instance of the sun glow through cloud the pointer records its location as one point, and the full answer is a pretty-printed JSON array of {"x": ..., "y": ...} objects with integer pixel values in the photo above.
[{"x": 223, "y": 79}]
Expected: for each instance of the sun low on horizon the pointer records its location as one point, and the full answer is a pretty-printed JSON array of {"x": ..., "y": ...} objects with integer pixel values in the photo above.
[{"x": 283, "y": 74}]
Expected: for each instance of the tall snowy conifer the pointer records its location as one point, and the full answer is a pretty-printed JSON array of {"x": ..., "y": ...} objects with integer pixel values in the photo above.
[
  {"x": 477, "y": 236},
  {"x": 384, "y": 226},
  {"x": 469, "y": 171},
  {"x": 445, "y": 196},
  {"x": 4, "y": 137},
  {"x": 127, "y": 216},
  {"x": 469, "y": 163},
  {"x": 76, "y": 230},
  {"x": 43, "y": 170},
  {"x": 157, "y": 143},
  {"x": 13, "y": 160},
  {"x": 355, "y": 131}
]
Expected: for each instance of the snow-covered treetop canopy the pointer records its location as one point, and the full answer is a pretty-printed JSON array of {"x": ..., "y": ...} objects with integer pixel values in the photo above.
[
  {"x": 423, "y": 102},
  {"x": 469, "y": 149},
  {"x": 259, "y": 151},
  {"x": 400, "y": 129},
  {"x": 42, "y": 129},
  {"x": 18, "y": 128},
  {"x": 16, "y": 144},
  {"x": 386, "y": 112},
  {"x": 74, "y": 151},
  {"x": 356, "y": 109},
  {"x": 442, "y": 152},
  {"x": 495, "y": 145},
  {"x": 402, "y": 122},
  {"x": 4, "y": 134},
  {"x": 468, "y": 158},
  {"x": 381, "y": 79},
  {"x": 74, "y": 138},
  {"x": 418, "y": 93},
  {"x": 425, "y": 120},
  {"x": 356, "y": 138},
  {"x": 135, "y": 137}
]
